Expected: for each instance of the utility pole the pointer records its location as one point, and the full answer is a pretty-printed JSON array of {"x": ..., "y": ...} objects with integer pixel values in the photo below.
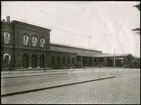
[
  {"x": 114, "y": 60},
  {"x": 89, "y": 41},
  {"x": 88, "y": 62}
]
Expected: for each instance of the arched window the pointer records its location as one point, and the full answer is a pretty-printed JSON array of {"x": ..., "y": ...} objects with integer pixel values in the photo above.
[
  {"x": 6, "y": 58},
  {"x": 42, "y": 42},
  {"x": 34, "y": 41},
  {"x": 6, "y": 37},
  {"x": 25, "y": 40}
]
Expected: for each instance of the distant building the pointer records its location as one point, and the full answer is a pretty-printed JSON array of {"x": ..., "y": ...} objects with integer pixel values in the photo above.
[{"x": 26, "y": 46}]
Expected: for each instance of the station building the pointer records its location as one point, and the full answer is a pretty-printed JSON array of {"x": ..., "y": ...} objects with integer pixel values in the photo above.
[{"x": 26, "y": 46}]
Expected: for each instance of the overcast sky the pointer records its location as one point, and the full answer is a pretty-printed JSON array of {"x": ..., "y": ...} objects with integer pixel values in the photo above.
[{"x": 109, "y": 24}]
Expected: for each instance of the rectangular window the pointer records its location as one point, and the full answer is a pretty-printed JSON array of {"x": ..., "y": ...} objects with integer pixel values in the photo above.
[
  {"x": 6, "y": 37},
  {"x": 53, "y": 60},
  {"x": 73, "y": 60},
  {"x": 68, "y": 60},
  {"x": 25, "y": 40},
  {"x": 101, "y": 59},
  {"x": 63, "y": 60}
]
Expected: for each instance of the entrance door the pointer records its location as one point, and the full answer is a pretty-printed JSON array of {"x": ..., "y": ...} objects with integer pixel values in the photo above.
[
  {"x": 42, "y": 61},
  {"x": 84, "y": 61},
  {"x": 110, "y": 62},
  {"x": 34, "y": 61},
  {"x": 90, "y": 61},
  {"x": 25, "y": 61}
]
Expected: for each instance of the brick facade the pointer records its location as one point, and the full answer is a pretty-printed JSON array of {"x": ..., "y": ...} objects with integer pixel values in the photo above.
[{"x": 16, "y": 49}]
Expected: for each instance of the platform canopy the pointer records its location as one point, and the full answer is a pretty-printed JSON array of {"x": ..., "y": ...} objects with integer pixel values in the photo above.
[
  {"x": 84, "y": 52},
  {"x": 78, "y": 51},
  {"x": 112, "y": 55}
]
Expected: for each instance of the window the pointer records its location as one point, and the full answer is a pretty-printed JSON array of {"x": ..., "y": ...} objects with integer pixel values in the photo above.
[
  {"x": 94, "y": 59},
  {"x": 68, "y": 60},
  {"x": 53, "y": 60},
  {"x": 34, "y": 41},
  {"x": 42, "y": 42},
  {"x": 64, "y": 60},
  {"x": 25, "y": 40},
  {"x": 101, "y": 59},
  {"x": 25, "y": 61},
  {"x": 42, "y": 61},
  {"x": 73, "y": 60},
  {"x": 6, "y": 37},
  {"x": 58, "y": 60},
  {"x": 6, "y": 58}
]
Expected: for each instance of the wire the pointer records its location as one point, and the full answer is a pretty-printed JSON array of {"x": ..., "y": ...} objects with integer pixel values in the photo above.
[
  {"x": 71, "y": 23},
  {"x": 65, "y": 20},
  {"x": 68, "y": 21},
  {"x": 104, "y": 22},
  {"x": 56, "y": 28}
]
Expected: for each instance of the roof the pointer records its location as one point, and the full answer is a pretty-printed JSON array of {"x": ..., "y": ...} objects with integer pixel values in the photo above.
[
  {"x": 62, "y": 52},
  {"x": 70, "y": 49},
  {"x": 137, "y": 58},
  {"x": 66, "y": 46},
  {"x": 4, "y": 22},
  {"x": 112, "y": 55},
  {"x": 83, "y": 52},
  {"x": 15, "y": 21}
]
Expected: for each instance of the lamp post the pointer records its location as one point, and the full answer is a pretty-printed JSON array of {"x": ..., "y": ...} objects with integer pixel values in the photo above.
[{"x": 114, "y": 58}]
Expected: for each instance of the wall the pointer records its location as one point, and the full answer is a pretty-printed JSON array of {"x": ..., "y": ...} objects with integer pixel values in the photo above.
[
  {"x": 21, "y": 29},
  {"x": 16, "y": 49},
  {"x": 61, "y": 55},
  {"x": 7, "y": 48}
]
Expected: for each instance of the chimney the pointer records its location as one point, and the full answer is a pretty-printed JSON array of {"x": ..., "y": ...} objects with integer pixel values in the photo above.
[{"x": 8, "y": 19}]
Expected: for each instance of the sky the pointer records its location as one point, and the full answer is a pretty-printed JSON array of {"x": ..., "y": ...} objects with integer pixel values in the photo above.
[{"x": 104, "y": 26}]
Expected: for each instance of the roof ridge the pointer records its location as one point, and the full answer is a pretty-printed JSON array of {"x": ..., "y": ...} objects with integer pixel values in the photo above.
[{"x": 75, "y": 47}]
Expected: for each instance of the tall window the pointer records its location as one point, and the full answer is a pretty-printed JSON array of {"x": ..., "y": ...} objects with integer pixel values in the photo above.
[
  {"x": 53, "y": 60},
  {"x": 42, "y": 61},
  {"x": 34, "y": 41},
  {"x": 25, "y": 61},
  {"x": 6, "y": 58},
  {"x": 73, "y": 60},
  {"x": 64, "y": 60},
  {"x": 42, "y": 42},
  {"x": 6, "y": 37},
  {"x": 25, "y": 40},
  {"x": 58, "y": 60},
  {"x": 94, "y": 59},
  {"x": 101, "y": 59},
  {"x": 68, "y": 60}
]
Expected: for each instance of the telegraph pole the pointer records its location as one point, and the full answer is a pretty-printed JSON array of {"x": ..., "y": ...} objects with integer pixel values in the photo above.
[{"x": 89, "y": 41}]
